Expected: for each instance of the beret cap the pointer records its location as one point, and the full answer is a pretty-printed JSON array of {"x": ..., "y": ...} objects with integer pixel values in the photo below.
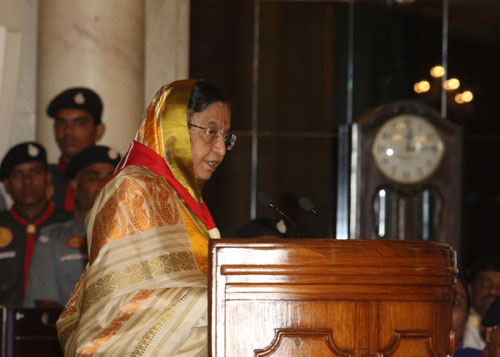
[
  {"x": 92, "y": 155},
  {"x": 21, "y": 153},
  {"x": 77, "y": 98}
]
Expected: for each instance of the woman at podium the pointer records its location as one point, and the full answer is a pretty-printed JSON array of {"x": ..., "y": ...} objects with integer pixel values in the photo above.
[{"x": 144, "y": 290}]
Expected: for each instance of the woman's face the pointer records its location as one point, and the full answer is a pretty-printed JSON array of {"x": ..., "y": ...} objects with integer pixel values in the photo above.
[{"x": 208, "y": 153}]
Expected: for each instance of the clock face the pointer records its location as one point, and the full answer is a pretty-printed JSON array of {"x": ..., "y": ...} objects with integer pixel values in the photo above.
[{"x": 407, "y": 148}]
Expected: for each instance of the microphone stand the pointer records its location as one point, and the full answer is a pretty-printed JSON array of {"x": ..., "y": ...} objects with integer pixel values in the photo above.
[{"x": 266, "y": 201}]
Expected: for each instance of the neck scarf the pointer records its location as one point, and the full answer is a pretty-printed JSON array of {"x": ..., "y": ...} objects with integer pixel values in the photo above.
[
  {"x": 30, "y": 230},
  {"x": 140, "y": 155},
  {"x": 69, "y": 200}
]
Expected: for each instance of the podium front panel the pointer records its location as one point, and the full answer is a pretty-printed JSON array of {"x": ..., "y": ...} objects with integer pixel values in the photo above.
[{"x": 318, "y": 297}]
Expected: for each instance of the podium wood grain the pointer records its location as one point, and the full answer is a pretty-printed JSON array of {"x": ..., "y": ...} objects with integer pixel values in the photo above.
[{"x": 319, "y": 297}]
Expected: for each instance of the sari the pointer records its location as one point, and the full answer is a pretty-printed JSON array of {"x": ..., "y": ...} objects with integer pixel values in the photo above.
[{"x": 144, "y": 290}]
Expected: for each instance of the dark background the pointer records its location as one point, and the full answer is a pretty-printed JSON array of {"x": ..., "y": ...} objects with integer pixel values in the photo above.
[{"x": 301, "y": 97}]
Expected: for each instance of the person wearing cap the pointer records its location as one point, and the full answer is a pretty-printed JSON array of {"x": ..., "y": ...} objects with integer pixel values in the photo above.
[
  {"x": 26, "y": 178},
  {"x": 491, "y": 321},
  {"x": 77, "y": 125},
  {"x": 61, "y": 251}
]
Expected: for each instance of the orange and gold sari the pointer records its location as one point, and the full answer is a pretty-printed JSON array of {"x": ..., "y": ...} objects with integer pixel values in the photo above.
[{"x": 144, "y": 291}]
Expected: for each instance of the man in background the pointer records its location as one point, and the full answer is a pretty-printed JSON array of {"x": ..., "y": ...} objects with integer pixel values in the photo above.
[
  {"x": 484, "y": 288},
  {"x": 25, "y": 175},
  {"x": 61, "y": 251},
  {"x": 459, "y": 315},
  {"x": 77, "y": 125}
]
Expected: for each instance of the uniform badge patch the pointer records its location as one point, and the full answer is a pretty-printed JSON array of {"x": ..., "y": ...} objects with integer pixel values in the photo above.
[
  {"x": 79, "y": 98},
  {"x": 113, "y": 154},
  {"x": 76, "y": 242},
  {"x": 5, "y": 236},
  {"x": 33, "y": 150}
]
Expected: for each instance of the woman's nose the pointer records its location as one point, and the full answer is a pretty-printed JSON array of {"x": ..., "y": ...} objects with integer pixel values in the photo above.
[{"x": 220, "y": 146}]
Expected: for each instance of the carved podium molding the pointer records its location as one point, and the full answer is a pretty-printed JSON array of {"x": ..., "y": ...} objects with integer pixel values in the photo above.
[
  {"x": 319, "y": 297},
  {"x": 304, "y": 340},
  {"x": 420, "y": 340}
]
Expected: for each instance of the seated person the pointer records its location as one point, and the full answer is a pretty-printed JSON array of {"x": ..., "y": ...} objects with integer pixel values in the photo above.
[
  {"x": 25, "y": 175},
  {"x": 61, "y": 251},
  {"x": 491, "y": 321}
]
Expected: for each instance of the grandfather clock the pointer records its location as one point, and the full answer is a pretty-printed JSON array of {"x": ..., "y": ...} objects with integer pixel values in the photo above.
[{"x": 405, "y": 182}]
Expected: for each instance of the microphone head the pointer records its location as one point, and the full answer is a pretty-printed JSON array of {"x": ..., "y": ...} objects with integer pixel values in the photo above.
[
  {"x": 306, "y": 204},
  {"x": 264, "y": 199}
]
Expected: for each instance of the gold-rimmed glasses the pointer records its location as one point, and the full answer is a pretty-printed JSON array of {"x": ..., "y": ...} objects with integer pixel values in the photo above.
[{"x": 211, "y": 136}]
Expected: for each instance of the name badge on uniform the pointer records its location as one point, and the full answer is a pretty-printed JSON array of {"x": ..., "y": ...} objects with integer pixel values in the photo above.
[
  {"x": 76, "y": 256},
  {"x": 10, "y": 254}
]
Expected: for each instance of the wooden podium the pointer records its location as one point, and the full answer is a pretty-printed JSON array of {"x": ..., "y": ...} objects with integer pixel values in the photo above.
[
  {"x": 319, "y": 297},
  {"x": 29, "y": 332}
]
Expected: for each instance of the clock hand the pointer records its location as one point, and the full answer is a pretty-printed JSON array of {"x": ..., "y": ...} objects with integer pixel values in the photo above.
[{"x": 409, "y": 138}]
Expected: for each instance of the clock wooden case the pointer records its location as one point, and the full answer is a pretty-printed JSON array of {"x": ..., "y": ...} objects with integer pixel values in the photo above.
[{"x": 405, "y": 183}]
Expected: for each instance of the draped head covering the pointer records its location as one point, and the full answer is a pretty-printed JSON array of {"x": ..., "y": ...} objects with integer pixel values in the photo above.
[
  {"x": 163, "y": 145},
  {"x": 164, "y": 129}
]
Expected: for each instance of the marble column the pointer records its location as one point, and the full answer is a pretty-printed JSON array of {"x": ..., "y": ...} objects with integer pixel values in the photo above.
[
  {"x": 166, "y": 44},
  {"x": 97, "y": 44},
  {"x": 20, "y": 16}
]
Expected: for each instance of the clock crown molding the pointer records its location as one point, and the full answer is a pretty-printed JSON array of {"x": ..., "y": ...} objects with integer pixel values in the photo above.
[{"x": 374, "y": 118}]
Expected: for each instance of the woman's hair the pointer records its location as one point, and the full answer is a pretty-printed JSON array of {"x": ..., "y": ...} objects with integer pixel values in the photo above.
[{"x": 202, "y": 95}]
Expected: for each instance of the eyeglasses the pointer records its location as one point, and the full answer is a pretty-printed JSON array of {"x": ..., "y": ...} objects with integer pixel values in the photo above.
[{"x": 211, "y": 137}]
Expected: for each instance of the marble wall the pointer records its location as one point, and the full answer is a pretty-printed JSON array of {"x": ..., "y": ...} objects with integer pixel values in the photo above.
[
  {"x": 96, "y": 44},
  {"x": 21, "y": 16},
  {"x": 166, "y": 43}
]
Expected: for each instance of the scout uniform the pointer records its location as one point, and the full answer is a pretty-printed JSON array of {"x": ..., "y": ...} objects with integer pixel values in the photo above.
[
  {"x": 61, "y": 251},
  {"x": 59, "y": 259},
  {"x": 73, "y": 98},
  {"x": 18, "y": 232}
]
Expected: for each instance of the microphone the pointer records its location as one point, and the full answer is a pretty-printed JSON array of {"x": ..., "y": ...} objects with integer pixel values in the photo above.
[
  {"x": 266, "y": 201},
  {"x": 307, "y": 205}
]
